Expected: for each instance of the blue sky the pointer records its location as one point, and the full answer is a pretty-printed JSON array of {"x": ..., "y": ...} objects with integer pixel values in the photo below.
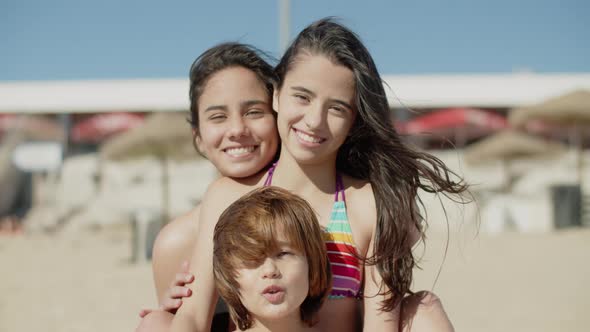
[{"x": 66, "y": 39}]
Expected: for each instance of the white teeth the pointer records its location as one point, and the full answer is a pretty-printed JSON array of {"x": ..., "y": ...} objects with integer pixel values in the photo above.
[
  {"x": 307, "y": 138},
  {"x": 239, "y": 151}
]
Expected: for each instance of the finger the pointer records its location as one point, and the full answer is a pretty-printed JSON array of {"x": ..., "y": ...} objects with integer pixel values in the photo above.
[
  {"x": 179, "y": 292},
  {"x": 182, "y": 278},
  {"x": 171, "y": 304},
  {"x": 144, "y": 312}
]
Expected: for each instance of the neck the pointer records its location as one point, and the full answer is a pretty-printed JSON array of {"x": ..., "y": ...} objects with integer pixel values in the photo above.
[{"x": 297, "y": 177}]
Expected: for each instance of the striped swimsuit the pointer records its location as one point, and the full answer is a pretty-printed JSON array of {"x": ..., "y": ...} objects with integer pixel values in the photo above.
[{"x": 346, "y": 269}]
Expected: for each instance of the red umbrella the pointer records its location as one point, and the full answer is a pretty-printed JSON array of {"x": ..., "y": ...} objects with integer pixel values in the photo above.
[
  {"x": 450, "y": 119},
  {"x": 460, "y": 123},
  {"x": 7, "y": 121},
  {"x": 99, "y": 127},
  {"x": 35, "y": 127}
]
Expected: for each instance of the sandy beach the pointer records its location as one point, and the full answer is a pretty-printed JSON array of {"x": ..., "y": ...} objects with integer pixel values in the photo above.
[{"x": 83, "y": 280}]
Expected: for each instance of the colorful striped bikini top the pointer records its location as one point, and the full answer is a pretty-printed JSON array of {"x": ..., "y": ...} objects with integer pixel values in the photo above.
[{"x": 346, "y": 269}]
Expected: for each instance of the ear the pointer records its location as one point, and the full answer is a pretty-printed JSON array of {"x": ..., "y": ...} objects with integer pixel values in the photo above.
[
  {"x": 198, "y": 142},
  {"x": 275, "y": 100}
]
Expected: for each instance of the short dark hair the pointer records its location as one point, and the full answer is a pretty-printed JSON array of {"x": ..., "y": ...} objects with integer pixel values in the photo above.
[{"x": 247, "y": 230}]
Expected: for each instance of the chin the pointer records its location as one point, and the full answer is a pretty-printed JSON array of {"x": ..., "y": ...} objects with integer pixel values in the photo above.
[{"x": 240, "y": 172}]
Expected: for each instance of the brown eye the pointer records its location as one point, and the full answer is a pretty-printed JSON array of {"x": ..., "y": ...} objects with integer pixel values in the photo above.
[
  {"x": 301, "y": 98},
  {"x": 284, "y": 253},
  {"x": 254, "y": 113},
  {"x": 217, "y": 117}
]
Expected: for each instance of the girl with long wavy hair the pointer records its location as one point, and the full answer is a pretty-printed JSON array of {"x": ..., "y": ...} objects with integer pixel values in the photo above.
[{"x": 339, "y": 152}]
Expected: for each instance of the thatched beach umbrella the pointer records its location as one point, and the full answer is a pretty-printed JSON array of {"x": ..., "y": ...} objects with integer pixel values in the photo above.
[
  {"x": 571, "y": 110},
  {"x": 164, "y": 136},
  {"x": 508, "y": 145}
]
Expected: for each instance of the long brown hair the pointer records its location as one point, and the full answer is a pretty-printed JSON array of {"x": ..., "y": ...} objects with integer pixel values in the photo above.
[{"x": 373, "y": 151}]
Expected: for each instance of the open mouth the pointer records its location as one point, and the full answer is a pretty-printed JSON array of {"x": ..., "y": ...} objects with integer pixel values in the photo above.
[
  {"x": 240, "y": 151},
  {"x": 308, "y": 138}
]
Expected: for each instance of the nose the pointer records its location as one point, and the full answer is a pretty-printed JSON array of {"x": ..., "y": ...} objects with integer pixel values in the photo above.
[
  {"x": 237, "y": 128},
  {"x": 270, "y": 269},
  {"x": 313, "y": 117}
]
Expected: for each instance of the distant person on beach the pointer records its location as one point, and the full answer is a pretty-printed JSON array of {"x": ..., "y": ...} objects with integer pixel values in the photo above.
[
  {"x": 270, "y": 262},
  {"x": 16, "y": 199},
  {"x": 338, "y": 150}
]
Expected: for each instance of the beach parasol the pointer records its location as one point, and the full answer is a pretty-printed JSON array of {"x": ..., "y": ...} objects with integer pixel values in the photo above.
[
  {"x": 167, "y": 135},
  {"x": 570, "y": 110},
  {"x": 506, "y": 146},
  {"x": 34, "y": 127},
  {"x": 97, "y": 128},
  {"x": 7, "y": 121},
  {"x": 461, "y": 123},
  {"x": 162, "y": 135},
  {"x": 509, "y": 145}
]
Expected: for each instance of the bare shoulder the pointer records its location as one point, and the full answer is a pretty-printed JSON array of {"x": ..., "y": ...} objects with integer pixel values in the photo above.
[
  {"x": 361, "y": 208},
  {"x": 359, "y": 196},
  {"x": 178, "y": 233},
  {"x": 176, "y": 238},
  {"x": 173, "y": 245},
  {"x": 219, "y": 195},
  {"x": 225, "y": 190}
]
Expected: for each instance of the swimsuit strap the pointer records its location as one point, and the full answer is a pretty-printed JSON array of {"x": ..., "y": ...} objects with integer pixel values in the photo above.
[
  {"x": 339, "y": 188},
  {"x": 271, "y": 170}
]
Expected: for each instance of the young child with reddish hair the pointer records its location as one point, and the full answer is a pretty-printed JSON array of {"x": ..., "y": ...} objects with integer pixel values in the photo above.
[{"x": 270, "y": 262}]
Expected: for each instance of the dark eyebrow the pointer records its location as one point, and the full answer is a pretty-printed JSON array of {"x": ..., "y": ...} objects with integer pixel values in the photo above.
[
  {"x": 302, "y": 89},
  {"x": 244, "y": 104},
  {"x": 253, "y": 102},
  {"x": 216, "y": 108}
]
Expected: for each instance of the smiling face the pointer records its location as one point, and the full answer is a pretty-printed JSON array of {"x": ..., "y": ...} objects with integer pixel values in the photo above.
[
  {"x": 237, "y": 129},
  {"x": 315, "y": 108},
  {"x": 275, "y": 287}
]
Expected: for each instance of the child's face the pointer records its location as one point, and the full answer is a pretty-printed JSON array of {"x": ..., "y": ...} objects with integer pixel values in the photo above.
[
  {"x": 237, "y": 129},
  {"x": 275, "y": 288}
]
